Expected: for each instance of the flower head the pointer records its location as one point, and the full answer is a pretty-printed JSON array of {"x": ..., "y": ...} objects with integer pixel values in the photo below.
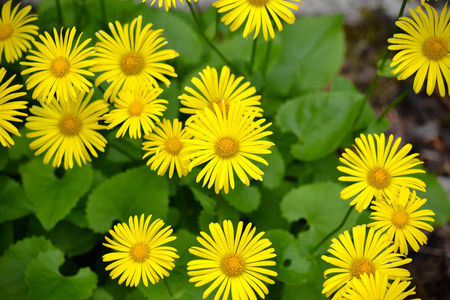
[
  {"x": 168, "y": 3},
  {"x": 424, "y": 48},
  {"x": 130, "y": 56},
  {"x": 164, "y": 145},
  {"x": 58, "y": 69},
  {"x": 360, "y": 255},
  {"x": 377, "y": 169},
  {"x": 215, "y": 89},
  {"x": 233, "y": 262},
  {"x": 227, "y": 143},
  {"x": 140, "y": 251},
  {"x": 376, "y": 286},
  {"x": 259, "y": 15},
  {"x": 8, "y": 109},
  {"x": 136, "y": 107},
  {"x": 15, "y": 32},
  {"x": 68, "y": 129},
  {"x": 401, "y": 218}
]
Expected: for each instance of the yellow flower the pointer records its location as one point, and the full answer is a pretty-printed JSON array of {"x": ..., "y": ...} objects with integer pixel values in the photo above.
[
  {"x": 421, "y": 1},
  {"x": 377, "y": 169},
  {"x": 259, "y": 15},
  {"x": 215, "y": 89},
  {"x": 168, "y": 3},
  {"x": 15, "y": 32},
  {"x": 424, "y": 48},
  {"x": 376, "y": 287},
  {"x": 403, "y": 220},
  {"x": 164, "y": 145},
  {"x": 360, "y": 255},
  {"x": 140, "y": 251},
  {"x": 227, "y": 143},
  {"x": 131, "y": 56},
  {"x": 233, "y": 262},
  {"x": 136, "y": 107},
  {"x": 57, "y": 68},
  {"x": 68, "y": 128},
  {"x": 8, "y": 109}
]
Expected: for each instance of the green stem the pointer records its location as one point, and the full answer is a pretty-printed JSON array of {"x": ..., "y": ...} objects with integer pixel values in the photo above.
[
  {"x": 395, "y": 102},
  {"x": 167, "y": 285},
  {"x": 252, "y": 57},
  {"x": 350, "y": 209},
  {"x": 60, "y": 15},
  {"x": 266, "y": 59},
  {"x": 208, "y": 41}
]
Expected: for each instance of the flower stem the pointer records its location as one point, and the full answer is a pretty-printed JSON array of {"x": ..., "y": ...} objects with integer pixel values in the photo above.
[
  {"x": 60, "y": 14},
  {"x": 327, "y": 237},
  {"x": 395, "y": 102},
  {"x": 208, "y": 41},
  {"x": 252, "y": 57},
  {"x": 165, "y": 281},
  {"x": 266, "y": 59}
]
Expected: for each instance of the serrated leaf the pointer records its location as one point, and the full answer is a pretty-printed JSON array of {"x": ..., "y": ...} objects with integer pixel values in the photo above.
[
  {"x": 274, "y": 171},
  {"x": 46, "y": 282},
  {"x": 437, "y": 199},
  {"x": 13, "y": 202},
  {"x": 244, "y": 198},
  {"x": 51, "y": 196},
  {"x": 130, "y": 193},
  {"x": 13, "y": 264},
  {"x": 320, "y": 121}
]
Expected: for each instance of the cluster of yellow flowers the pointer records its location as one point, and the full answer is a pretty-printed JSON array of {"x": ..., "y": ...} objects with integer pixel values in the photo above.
[{"x": 365, "y": 262}]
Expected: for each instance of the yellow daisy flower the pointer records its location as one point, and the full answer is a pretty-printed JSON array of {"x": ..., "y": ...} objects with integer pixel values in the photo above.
[
  {"x": 168, "y": 3},
  {"x": 136, "y": 107},
  {"x": 402, "y": 219},
  {"x": 164, "y": 145},
  {"x": 227, "y": 143},
  {"x": 57, "y": 68},
  {"x": 375, "y": 287},
  {"x": 68, "y": 128},
  {"x": 362, "y": 254},
  {"x": 130, "y": 56},
  {"x": 15, "y": 32},
  {"x": 259, "y": 15},
  {"x": 215, "y": 89},
  {"x": 377, "y": 169},
  {"x": 234, "y": 263},
  {"x": 421, "y": 1},
  {"x": 140, "y": 251},
  {"x": 424, "y": 48},
  {"x": 8, "y": 109}
]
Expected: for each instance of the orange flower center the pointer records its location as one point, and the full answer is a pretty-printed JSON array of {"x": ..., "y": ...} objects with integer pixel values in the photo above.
[
  {"x": 233, "y": 265},
  {"x": 132, "y": 63},
  {"x": 60, "y": 66},
  {"x": 400, "y": 219},
  {"x": 135, "y": 109},
  {"x": 258, "y": 2},
  {"x": 379, "y": 178},
  {"x": 139, "y": 252},
  {"x": 173, "y": 146},
  {"x": 6, "y": 31},
  {"x": 361, "y": 266},
  {"x": 70, "y": 125},
  {"x": 227, "y": 147},
  {"x": 435, "y": 48},
  {"x": 221, "y": 104}
]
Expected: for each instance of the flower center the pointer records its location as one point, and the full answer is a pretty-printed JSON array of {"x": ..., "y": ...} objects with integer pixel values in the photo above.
[
  {"x": 227, "y": 147},
  {"x": 435, "y": 48},
  {"x": 60, "y": 66},
  {"x": 135, "y": 109},
  {"x": 400, "y": 219},
  {"x": 221, "y": 104},
  {"x": 361, "y": 266},
  {"x": 139, "y": 252},
  {"x": 258, "y": 2},
  {"x": 132, "y": 63},
  {"x": 70, "y": 125},
  {"x": 233, "y": 265},
  {"x": 173, "y": 146},
  {"x": 379, "y": 178},
  {"x": 6, "y": 31}
]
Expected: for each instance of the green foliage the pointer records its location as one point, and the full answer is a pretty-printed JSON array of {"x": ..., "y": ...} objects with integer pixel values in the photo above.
[
  {"x": 243, "y": 198},
  {"x": 437, "y": 199},
  {"x": 13, "y": 202}
]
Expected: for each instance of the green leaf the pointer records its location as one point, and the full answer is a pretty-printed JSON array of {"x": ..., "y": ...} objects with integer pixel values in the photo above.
[
  {"x": 13, "y": 264},
  {"x": 72, "y": 239},
  {"x": 437, "y": 199},
  {"x": 309, "y": 59},
  {"x": 207, "y": 203},
  {"x": 274, "y": 172},
  {"x": 244, "y": 198},
  {"x": 21, "y": 146},
  {"x": 54, "y": 197},
  {"x": 130, "y": 193},
  {"x": 386, "y": 71},
  {"x": 101, "y": 294},
  {"x": 13, "y": 202},
  {"x": 184, "y": 241},
  {"x": 46, "y": 282},
  {"x": 320, "y": 121}
]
